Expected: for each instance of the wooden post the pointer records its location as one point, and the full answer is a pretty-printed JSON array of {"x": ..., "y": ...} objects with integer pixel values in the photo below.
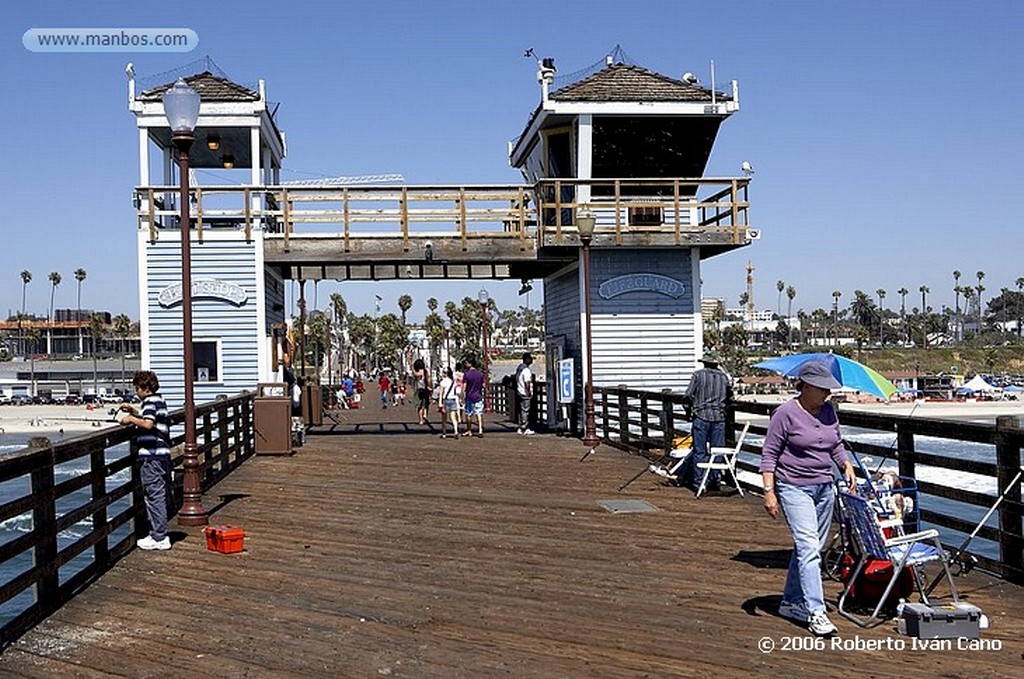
[
  {"x": 623, "y": 415},
  {"x": 44, "y": 518},
  {"x": 905, "y": 451},
  {"x": 1007, "y": 466},
  {"x": 644, "y": 427},
  {"x": 98, "y": 476},
  {"x": 668, "y": 422}
]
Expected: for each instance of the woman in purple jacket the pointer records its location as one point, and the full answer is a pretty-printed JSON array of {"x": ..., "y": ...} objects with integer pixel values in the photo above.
[{"x": 802, "y": 443}]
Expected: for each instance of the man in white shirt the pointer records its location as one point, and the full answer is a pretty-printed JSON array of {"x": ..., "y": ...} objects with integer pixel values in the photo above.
[{"x": 524, "y": 391}]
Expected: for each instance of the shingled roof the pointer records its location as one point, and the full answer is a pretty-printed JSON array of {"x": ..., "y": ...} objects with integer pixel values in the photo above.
[
  {"x": 623, "y": 82},
  {"x": 210, "y": 88}
]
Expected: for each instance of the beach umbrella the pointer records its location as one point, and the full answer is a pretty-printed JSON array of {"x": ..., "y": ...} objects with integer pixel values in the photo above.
[{"x": 848, "y": 372}]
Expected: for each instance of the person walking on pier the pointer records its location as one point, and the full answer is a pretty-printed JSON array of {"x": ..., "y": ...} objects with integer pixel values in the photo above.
[
  {"x": 419, "y": 372},
  {"x": 154, "y": 442},
  {"x": 524, "y": 393},
  {"x": 384, "y": 382},
  {"x": 448, "y": 403},
  {"x": 802, "y": 443},
  {"x": 708, "y": 392},
  {"x": 473, "y": 381}
]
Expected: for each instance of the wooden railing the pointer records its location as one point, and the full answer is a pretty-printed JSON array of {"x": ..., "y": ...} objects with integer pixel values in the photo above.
[
  {"x": 645, "y": 422},
  {"x": 75, "y": 504},
  {"x": 676, "y": 205}
]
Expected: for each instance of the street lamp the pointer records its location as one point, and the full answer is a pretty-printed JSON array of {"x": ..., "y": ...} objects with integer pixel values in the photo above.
[
  {"x": 181, "y": 106},
  {"x": 447, "y": 347},
  {"x": 482, "y": 297},
  {"x": 585, "y": 225}
]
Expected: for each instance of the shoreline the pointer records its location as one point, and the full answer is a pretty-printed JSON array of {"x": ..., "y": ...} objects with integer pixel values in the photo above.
[
  {"x": 966, "y": 411},
  {"x": 48, "y": 419}
]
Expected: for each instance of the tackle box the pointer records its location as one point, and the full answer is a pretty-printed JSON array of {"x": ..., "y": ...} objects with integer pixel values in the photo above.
[
  {"x": 945, "y": 621},
  {"x": 225, "y": 539}
]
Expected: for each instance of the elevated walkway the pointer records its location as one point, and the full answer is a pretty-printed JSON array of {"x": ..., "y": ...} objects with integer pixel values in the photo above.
[{"x": 473, "y": 231}]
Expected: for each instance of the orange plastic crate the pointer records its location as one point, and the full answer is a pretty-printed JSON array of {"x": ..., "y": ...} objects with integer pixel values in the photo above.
[{"x": 225, "y": 539}]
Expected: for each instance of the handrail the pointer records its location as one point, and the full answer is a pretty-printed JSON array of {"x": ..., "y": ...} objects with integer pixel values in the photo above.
[
  {"x": 645, "y": 422},
  {"x": 544, "y": 210},
  {"x": 77, "y": 503}
]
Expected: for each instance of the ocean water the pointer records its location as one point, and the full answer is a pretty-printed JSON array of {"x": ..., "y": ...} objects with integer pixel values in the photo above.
[{"x": 23, "y": 523}]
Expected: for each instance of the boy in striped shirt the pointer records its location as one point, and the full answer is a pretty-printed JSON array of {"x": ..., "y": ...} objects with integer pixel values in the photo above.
[{"x": 154, "y": 443}]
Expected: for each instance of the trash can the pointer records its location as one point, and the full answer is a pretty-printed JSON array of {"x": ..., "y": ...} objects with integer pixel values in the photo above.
[
  {"x": 312, "y": 404},
  {"x": 272, "y": 419}
]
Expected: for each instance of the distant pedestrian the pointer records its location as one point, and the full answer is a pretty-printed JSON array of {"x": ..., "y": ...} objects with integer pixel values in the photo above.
[
  {"x": 473, "y": 380},
  {"x": 524, "y": 393},
  {"x": 448, "y": 403},
  {"x": 154, "y": 443},
  {"x": 384, "y": 382},
  {"x": 705, "y": 398},
  {"x": 422, "y": 377}
]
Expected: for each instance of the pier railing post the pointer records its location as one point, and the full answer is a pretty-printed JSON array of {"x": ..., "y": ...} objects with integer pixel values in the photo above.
[
  {"x": 668, "y": 421},
  {"x": 1008, "y": 465},
  {"x": 623, "y": 416},
  {"x": 905, "y": 451}
]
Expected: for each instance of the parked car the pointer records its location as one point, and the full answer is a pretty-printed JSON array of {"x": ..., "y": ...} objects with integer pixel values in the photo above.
[
  {"x": 21, "y": 400},
  {"x": 72, "y": 400}
]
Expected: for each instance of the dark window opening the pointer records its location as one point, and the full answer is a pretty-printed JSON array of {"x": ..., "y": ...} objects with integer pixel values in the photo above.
[
  {"x": 645, "y": 216},
  {"x": 205, "y": 359}
]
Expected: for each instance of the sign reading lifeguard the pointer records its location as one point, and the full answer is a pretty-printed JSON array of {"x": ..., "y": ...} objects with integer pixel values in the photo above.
[
  {"x": 641, "y": 282},
  {"x": 209, "y": 288}
]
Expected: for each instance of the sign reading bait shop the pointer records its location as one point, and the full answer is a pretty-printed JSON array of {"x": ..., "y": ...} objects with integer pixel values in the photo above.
[
  {"x": 640, "y": 282},
  {"x": 210, "y": 288}
]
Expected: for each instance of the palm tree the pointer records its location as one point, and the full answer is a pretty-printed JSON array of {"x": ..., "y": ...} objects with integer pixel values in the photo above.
[
  {"x": 924, "y": 290},
  {"x": 836, "y": 294},
  {"x": 790, "y": 295},
  {"x": 26, "y": 278},
  {"x": 780, "y": 286},
  {"x": 404, "y": 303},
  {"x": 881, "y": 316},
  {"x": 340, "y": 314},
  {"x": 122, "y": 329},
  {"x": 79, "y": 277},
  {"x": 903, "y": 292},
  {"x": 957, "y": 289},
  {"x": 96, "y": 330},
  {"x": 54, "y": 282},
  {"x": 980, "y": 289},
  {"x": 1020, "y": 289}
]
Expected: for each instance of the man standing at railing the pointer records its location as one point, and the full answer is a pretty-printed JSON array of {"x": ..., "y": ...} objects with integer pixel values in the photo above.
[
  {"x": 705, "y": 400},
  {"x": 154, "y": 442}
]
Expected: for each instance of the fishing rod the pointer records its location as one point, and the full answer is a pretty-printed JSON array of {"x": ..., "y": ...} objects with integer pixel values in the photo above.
[{"x": 958, "y": 554}]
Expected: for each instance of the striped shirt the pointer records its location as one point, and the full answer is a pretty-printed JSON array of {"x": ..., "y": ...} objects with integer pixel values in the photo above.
[
  {"x": 708, "y": 391},
  {"x": 155, "y": 441}
]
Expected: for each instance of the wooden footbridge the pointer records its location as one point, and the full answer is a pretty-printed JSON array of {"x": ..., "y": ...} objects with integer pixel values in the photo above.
[{"x": 383, "y": 550}]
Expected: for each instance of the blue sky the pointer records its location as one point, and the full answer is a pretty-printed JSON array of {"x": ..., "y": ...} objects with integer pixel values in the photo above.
[{"x": 886, "y": 136}]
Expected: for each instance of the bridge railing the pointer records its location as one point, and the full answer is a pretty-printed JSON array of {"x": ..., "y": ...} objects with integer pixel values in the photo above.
[
  {"x": 69, "y": 510},
  {"x": 645, "y": 423},
  {"x": 662, "y": 205}
]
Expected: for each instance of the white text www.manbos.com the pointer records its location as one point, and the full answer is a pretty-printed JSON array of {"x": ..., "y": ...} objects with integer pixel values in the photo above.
[{"x": 110, "y": 40}]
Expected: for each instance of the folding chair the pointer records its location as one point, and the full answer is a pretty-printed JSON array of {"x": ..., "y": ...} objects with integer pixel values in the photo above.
[
  {"x": 912, "y": 550},
  {"x": 722, "y": 459}
]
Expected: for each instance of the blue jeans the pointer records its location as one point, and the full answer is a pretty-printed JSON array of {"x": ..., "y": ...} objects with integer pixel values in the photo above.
[
  {"x": 155, "y": 474},
  {"x": 705, "y": 434},
  {"x": 808, "y": 511}
]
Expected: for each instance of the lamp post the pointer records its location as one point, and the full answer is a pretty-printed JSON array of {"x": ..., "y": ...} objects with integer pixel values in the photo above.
[
  {"x": 181, "y": 106},
  {"x": 447, "y": 347},
  {"x": 585, "y": 225},
  {"x": 482, "y": 297}
]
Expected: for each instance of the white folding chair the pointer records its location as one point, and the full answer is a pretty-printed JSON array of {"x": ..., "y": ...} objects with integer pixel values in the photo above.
[{"x": 724, "y": 460}]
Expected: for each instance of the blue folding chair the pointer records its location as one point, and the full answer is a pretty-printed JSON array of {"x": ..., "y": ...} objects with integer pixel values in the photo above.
[{"x": 902, "y": 551}]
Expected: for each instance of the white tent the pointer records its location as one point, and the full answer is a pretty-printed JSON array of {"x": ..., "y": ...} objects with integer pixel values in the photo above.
[{"x": 978, "y": 384}]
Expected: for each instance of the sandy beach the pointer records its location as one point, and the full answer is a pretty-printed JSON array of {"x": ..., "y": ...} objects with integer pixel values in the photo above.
[
  {"x": 53, "y": 418},
  {"x": 966, "y": 411}
]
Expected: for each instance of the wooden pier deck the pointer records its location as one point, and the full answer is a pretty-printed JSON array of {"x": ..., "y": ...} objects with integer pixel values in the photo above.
[{"x": 382, "y": 550}]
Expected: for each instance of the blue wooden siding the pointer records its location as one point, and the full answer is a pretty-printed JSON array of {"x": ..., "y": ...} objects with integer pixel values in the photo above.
[{"x": 232, "y": 261}]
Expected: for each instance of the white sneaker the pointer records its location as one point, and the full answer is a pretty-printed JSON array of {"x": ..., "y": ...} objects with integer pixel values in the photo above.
[
  {"x": 148, "y": 543},
  {"x": 519, "y": 431},
  {"x": 820, "y": 626},
  {"x": 794, "y": 611},
  {"x": 527, "y": 432}
]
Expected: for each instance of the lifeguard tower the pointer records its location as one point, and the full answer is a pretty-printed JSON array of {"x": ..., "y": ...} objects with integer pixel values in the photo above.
[
  {"x": 630, "y": 146},
  {"x": 236, "y": 298}
]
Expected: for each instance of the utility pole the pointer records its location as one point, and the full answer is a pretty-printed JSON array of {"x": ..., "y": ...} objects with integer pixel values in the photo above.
[{"x": 750, "y": 295}]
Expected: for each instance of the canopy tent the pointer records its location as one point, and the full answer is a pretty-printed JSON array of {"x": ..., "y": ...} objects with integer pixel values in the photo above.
[{"x": 978, "y": 384}]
